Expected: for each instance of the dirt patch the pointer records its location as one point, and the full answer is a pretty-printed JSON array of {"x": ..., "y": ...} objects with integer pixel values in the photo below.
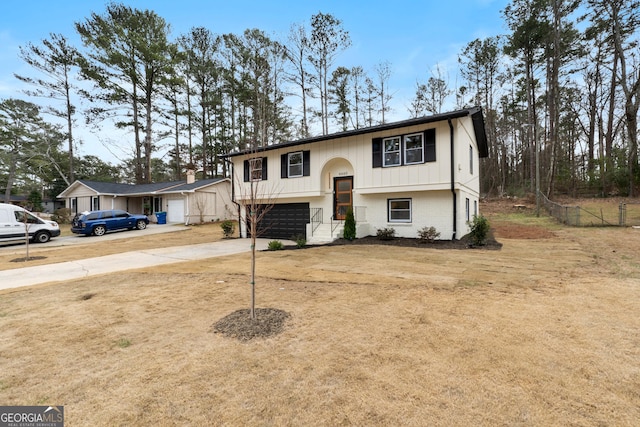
[
  {"x": 239, "y": 324},
  {"x": 27, "y": 259},
  {"x": 507, "y": 230}
]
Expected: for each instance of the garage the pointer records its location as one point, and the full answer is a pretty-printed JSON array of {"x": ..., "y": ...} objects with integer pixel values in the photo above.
[
  {"x": 283, "y": 221},
  {"x": 175, "y": 210}
]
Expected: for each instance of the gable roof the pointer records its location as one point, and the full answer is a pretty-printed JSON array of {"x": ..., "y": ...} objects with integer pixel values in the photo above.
[
  {"x": 475, "y": 113},
  {"x": 116, "y": 189},
  {"x": 193, "y": 186}
]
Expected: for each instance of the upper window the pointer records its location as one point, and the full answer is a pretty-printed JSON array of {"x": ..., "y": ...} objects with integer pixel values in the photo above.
[
  {"x": 410, "y": 149},
  {"x": 294, "y": 164},
  {"x": 255, "y": 169},
  {"x": 413, "y": 149},
  {"x": 391, "y": 151},
  {"x": 399, "y": 210},
  {"x": 471, "y": 159}
]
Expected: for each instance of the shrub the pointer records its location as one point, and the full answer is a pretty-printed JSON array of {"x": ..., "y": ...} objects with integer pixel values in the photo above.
[
  {"x": 275, "y": 245},
  {"x": 300, "y": 240},
  {"x": 428, "y": 234},
  {"x": 228, "y": 228},
  {"x": 349, "y": 225},
  {"x": 62, "y": 216},
  {"x": 479, "y": 230},
  {"x": 388, "y": 233}
]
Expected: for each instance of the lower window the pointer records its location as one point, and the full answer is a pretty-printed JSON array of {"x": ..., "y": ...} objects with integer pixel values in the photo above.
[{"x": 399, "y": 210}]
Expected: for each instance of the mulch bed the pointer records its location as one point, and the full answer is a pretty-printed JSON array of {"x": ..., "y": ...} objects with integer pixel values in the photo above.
[
  {"x": 463, "y": 243},
  {"x": 240, "y": 325}
]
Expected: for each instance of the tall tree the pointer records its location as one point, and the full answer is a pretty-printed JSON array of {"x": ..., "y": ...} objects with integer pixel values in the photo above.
[
  {"x": 297, "y": 53},
  {"x": 56, "y": 59},
  {"x": 339, "y": 96},
  {"x": 327, "y": 40},
  {"x": 383, "y": 72},
  {"x": 622, "y": 18},
  {"x": 128, "y": 59},
  {"x": 201, "y": 48},
  {"x": 480, "y": 66},
  {"x": 525, "y": 44},
  {"x": 357, "y": 77},
  {"x": 431, "y": 96},
  {"x": 22, "y": 137},
  {"x": 561, "y": 48}
]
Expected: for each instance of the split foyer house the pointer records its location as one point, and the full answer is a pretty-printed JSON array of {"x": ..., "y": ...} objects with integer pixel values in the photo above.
[
  {"x": 407, "y": 175},
  {"x": 185, "y": 202}
]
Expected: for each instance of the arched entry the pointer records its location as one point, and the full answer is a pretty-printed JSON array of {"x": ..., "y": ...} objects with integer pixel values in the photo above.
[{"x": 338, "y": 179}]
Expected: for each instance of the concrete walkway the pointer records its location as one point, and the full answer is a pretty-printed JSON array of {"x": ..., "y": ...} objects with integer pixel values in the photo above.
[{"x": 70, "y": 270}]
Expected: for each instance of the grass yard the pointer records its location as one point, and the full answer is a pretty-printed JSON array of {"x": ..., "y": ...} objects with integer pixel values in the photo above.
[{"x": 544, "y": 331}]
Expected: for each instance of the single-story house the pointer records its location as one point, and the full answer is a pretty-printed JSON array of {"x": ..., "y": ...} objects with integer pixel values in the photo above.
[
  {"x": 417, "y": 173},
  {"x": 185, "y": 202}
]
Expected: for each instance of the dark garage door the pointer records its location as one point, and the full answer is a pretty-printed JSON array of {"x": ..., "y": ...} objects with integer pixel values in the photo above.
[{"x": 285, "y": 221}]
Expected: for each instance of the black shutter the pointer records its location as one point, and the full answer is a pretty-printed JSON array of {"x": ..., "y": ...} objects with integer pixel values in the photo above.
[
  {"x": 246, "y": 171},
  {"x": 430, "y": 145},
  {"x": 377, "y": 152},
  {"x": 306, "y": 163},
  {"x": 284, "y": 166},
  {"x": 264, "y": 168}
]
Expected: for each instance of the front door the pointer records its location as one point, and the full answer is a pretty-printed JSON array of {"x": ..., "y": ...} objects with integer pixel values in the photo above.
[{"x": 343, "y": 196}]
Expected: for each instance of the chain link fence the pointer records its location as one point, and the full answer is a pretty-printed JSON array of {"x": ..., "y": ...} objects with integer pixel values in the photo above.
[{"x": 627, "y": 215}]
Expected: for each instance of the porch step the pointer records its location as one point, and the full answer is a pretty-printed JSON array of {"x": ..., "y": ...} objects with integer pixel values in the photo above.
[{"x": 323, "y": 234}]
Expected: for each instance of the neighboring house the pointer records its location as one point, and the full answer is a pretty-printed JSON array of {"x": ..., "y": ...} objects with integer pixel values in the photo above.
[
  {"x": 186, "y": 202},
  {"x": 48, "y": 205},
  {"x": 407, "y": 175}
]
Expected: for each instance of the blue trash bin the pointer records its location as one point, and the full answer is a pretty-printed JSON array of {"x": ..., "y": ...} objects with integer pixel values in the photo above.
[{"x": 161, "y": 217}]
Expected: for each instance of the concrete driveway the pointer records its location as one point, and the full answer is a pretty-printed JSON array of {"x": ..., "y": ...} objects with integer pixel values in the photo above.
[
  {"x": 70, "y": 270},
  {"x": 112, "y": 235}
]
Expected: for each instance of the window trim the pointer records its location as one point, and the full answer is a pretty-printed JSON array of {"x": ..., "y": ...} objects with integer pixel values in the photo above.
[
  {"x": 289, "y": 164},
  {"x": 390, "y": 210},
  {"x": 421, "y": 149},
  {"x": 385, "y": 151},
  {"x": 255, "y": 173}
]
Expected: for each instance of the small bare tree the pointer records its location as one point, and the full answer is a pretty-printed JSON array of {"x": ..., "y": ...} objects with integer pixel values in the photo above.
[
  {"x": 255, "y": 199},
  {"x": 201, "y": 205}
]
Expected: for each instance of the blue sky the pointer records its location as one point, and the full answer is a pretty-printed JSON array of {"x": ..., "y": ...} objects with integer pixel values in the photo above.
[{"x": 414, "y": 36}]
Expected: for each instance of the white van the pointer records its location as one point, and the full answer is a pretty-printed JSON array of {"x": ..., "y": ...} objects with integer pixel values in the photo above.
[{"x": 12, "y": 225}]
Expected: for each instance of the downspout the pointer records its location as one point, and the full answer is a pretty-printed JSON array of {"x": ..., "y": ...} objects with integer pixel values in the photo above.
[{"x": 453, "y": 189}]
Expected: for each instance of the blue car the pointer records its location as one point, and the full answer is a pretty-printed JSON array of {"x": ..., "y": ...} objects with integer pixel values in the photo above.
[{"x": 99, "y": 222}]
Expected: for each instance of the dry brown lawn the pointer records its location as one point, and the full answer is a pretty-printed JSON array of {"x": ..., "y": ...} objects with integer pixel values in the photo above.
[{"x": 543, "y": 332}]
